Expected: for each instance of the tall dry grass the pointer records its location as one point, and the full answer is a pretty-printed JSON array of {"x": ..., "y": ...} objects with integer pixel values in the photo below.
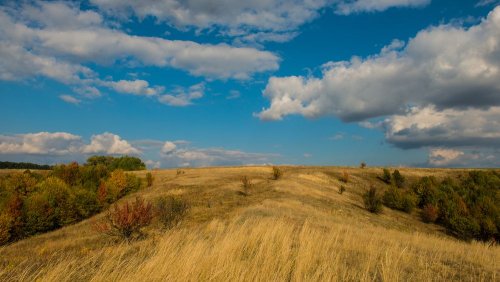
[{"x": 303, "y": 231}]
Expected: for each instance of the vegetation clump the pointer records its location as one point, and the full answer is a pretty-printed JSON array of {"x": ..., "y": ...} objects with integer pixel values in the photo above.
[
  {"x": 362, "y": 165},
  {"x": 386, "y": 176},
  {"x": 469, "y": 208},
  {"x": 399, "y": 200},
  {"x": 341, "y": 189},
  {"x": 33, "y": 203},
  {"x": 246, "y": 184},
  {"x": 372, "y": 200},
  {"x": 277, "y": 173},
  {"x": 399, "y": 180},
  {"x": 149, "y": 179},
  {"x": 126, "y": 221},
  {"x": 344, "y": 177},
  {"x": 171, "y": 210}
]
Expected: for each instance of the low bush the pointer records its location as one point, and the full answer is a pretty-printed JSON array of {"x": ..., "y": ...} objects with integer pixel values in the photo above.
[
  {"x": 171, "y": 210},
  {"x": 399, "y": 200},
  {"x": 386, "y": 176},
  {"x": 372, "y": 200},
  {"x": 246, "y": 184},
  {"x": 399, "y": 180},
  {"x": 362, "y": 165},
  {"x": 126, "y": 221},
  {"x": 341, "y": 189},
  {"x": 149, "y": 179},
  {"x": 429, "y": 213},
  {"x": 5, "y": 228},
  {"x": 277, "y": 173},
  {"x": 344, "y": 177}
]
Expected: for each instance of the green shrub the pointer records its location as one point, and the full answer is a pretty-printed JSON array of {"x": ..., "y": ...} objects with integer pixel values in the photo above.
[
  {"x": 386, "y": 176},
  {"x": 372, "y": 200},
  {"x": 171, "y": 210},
  {"x": 86, "y": 203},
  {"x": 399, "y": 180},
  {"x": 149, "y": 179},
  {"x": 429, "y": 213},
  {"x": 277, "y": 173},
  {"x": 409, "y": 202},
  {"x": 465, "y": 228},
  {"x": 5, "y": 228}
]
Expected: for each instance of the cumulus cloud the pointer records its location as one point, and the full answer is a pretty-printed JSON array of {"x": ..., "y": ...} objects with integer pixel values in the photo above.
[
  {"x": 175, "y": 156},
  {"x": 135, "y": 87},
  {"x": 41, "y": 143},
  {"x": 181, "y": 97},
  {"x": 442, "y": 157},
  {"x": 441, "y": 88},
  {"x": 109, "y": 143},
  {"x": 356, "y": 6},
  {"x": 421, "y": 127},
  {"x": 62, "y": 144},
  {"x": 56, "y": 39},
  {"x": 247, "y": 21},
  {"x": 70, "y": 99}
]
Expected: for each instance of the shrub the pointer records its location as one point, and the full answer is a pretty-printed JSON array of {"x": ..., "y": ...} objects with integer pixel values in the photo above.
[
  {"x": 5, "y": 228},
  {"x": 362, "y": 165},
  {"x": 277, "y": 173},
  {"x": 86, "y": 203},
  {"x": 149, "y": 179},
  {"x": 21, "y": 183},
  {"x": 399, "y": 180},
  {"x": 127, "y": 220},
  {"x": 170, "y": 210},
  {"x": 180, "y": 171},
  {"x": 373, "y": 201},
  {"x": 465, "y": 228},
  {"x": 344, "y": 177},
  {"x": 396, "y": 199},
  {"x": 341, "y": 189},
  {"x": 393, "y": 198},
  {"x": 409, "y": 202},
  {"x": 246, "y": 184},
  {"x": 430, "y": 213},
  {"x": 386, "y": 176}
]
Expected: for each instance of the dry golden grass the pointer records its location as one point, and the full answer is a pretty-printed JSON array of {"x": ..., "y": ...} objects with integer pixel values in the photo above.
[{"x": 298, "y": 228}]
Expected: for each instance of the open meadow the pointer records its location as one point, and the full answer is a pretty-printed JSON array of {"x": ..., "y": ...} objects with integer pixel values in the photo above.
[{"x": 297, "y": 228}]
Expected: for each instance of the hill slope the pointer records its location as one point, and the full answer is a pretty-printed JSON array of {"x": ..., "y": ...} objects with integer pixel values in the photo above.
[{"x": 296, "y": 228}]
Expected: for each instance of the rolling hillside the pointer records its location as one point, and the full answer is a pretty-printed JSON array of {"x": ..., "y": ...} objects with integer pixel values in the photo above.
[{"x": 297, "y": 228}]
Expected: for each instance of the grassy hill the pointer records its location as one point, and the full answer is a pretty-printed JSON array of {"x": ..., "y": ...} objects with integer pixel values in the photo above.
[{"x": 293, "y": 229}]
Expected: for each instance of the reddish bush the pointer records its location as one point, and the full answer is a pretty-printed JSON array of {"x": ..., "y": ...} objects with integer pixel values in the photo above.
[
  {"x": 127, "y": 220},
  {"x": 430, "y": 213}
]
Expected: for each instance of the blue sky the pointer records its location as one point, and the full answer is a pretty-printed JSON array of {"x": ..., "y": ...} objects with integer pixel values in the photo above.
[{"x": 200, "y": 83}]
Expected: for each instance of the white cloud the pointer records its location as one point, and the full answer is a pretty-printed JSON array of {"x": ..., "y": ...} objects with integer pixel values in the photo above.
[
  {"x": 109, "y": 143},
  {"x": 440, "y": 89},
  {"x": 41, "y": 143},
  {"x": 70, "y": 99},
  {"x": 168, "y": 147},
  {"x": 153, "y": 164},
  {"x": 442, "y": 65},
  {"x": 136, "y": 87},
  {"x": 421, "y": 127},
  {"x": 54, "y": 39},
  {"x": 247, "y": 21},
  {"x": 87, "y": 91},
  {"x": 440, "y": 157},
  {"x": 181, "y": 97},
  {"x": 233, "y": 94},
  {"x": 356, "y": 6},
  {"x": 176, "y": 156}
]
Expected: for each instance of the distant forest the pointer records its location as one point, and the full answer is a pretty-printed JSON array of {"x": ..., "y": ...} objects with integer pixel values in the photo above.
[
  {"x": 126, "y": 163},
  {"x": 14, "y": 165}
]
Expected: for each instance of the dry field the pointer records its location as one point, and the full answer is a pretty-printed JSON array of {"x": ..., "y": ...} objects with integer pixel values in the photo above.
[{"x": 298, "y": 228}]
